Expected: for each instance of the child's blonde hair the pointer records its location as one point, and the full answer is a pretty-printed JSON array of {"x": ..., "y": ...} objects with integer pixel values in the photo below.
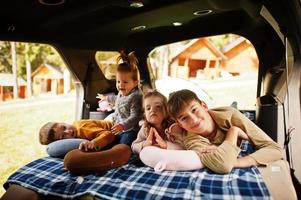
[{"x": 129, "y": 64}]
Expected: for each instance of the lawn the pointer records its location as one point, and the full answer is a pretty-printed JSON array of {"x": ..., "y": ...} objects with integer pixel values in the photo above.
[{"x": 19, "y": 126}]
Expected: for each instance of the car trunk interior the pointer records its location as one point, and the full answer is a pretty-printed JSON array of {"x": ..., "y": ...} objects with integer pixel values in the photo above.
[{"x": 78, "y": 31}]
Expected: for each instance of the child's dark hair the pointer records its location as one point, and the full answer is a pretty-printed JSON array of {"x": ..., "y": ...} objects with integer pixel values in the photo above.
[
  {"x": 154, "y": 93},
  {"x": 178, "y": 100},
  {"x": 129, "y": 64}
]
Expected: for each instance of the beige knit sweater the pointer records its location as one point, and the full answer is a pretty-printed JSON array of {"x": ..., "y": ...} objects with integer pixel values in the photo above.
[{"x": 223, "y": 159}]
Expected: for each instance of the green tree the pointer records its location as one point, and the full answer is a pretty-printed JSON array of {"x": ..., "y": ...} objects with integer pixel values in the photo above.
[
  {"x": 5, "y": 57},
  {"x": 220, "y": 41},
  {"x": 46, "y": 54},
  {"x": 38, "y": 54}
]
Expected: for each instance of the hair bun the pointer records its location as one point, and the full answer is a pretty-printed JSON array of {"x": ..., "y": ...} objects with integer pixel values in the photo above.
[{"x": 129, "y": 59}]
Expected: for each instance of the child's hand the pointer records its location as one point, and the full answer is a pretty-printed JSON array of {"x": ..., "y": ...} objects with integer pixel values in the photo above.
[
  {"x": 86, "y": 145},
  {"x": 242, "y": 135},
  {"x": 149, "y": 139},
  {"x": 117, "y": 129},
  {"x": 175, "y": 132},
  {"x": 101, "y": 97},
  {"x": 141, "y": 122},
  {"x": 235, "y": 135},
  {"x": 159, "y": 141}
]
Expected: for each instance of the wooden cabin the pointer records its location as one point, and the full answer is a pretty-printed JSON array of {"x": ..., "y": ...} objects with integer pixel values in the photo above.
[
  {"x": 241, "y": 57},
  {"x": 202, "y": 60},
  {"x": 198, "y": 56},
  {"x": 48, "y": 79},
  {"x": 6, "y": 87}
]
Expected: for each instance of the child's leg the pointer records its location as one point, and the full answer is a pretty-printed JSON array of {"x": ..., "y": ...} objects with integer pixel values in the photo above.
[
  {"x": 80, "y": 162},
  {"x": 127, "y": 137}
]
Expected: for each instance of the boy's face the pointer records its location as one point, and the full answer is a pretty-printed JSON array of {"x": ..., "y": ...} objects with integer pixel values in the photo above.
[
  {"x": 64, "y": 131},
  {"x": 125, "y": 82},
  {"x": 194, "y": 117},
  {"x": 154, "y": 111}
]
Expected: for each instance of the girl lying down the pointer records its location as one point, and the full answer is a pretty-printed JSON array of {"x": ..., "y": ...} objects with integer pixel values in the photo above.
[{"x": 154, "y": 145}]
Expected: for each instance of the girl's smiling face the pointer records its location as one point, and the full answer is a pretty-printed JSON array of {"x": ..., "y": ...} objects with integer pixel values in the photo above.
[{"x": 125, "y": 82}]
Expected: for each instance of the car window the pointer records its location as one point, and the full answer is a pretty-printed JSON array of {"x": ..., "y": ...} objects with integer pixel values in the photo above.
[
  {"x": 222, "y": 69},
  {"x": 106, "y": 61},
  {"x": 45, "y": 92}
]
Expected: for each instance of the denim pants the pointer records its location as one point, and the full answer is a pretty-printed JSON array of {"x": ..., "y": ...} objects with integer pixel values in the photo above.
[
  {"x": 127, "y": 137},
  {"x": 60, "y": 147}
]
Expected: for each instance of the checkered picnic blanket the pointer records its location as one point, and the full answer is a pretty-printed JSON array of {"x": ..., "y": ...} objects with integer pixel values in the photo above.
[{"x": 136, "y": 181}]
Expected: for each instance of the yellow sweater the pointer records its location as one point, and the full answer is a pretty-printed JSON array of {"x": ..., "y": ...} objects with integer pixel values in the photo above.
[
  {"x": 224, "y": 158},
  {"x": 97, "y": 131}
]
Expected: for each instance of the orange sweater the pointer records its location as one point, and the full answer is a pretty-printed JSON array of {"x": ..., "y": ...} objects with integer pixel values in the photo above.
[{"x": 98, "y": 131}]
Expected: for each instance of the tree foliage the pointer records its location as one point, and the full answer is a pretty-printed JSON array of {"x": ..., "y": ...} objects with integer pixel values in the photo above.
[
  {"x": 220, "y": 41},
  {"x": 5, "y": 58},
  {"x": 37, "y": 54}
]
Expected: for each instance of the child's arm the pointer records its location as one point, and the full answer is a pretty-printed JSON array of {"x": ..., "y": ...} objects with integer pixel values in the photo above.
[
  {"x": 117, "y": 129},
  {"x": 103, "y": 139},
  {"x": 220, "y": 160},
  {"x": 267, "y": 150},
  {"x": 246, "y": 161},
  {"x": 234, "y": 135},
  {"x": 148, "y": 137},
  {"x": 111, "y": 98},
  {"x": 135, "y": 112},
  {"x": 140, "y": 141}
]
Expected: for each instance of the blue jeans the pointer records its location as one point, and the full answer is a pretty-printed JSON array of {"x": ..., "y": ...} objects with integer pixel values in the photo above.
[
  {"x": 60, "y": 147},
  {"x": 126, "y": 137}
]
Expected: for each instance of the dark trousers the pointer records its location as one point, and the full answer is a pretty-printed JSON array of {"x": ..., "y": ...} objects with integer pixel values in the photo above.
[{"x": 126, "y": 137}]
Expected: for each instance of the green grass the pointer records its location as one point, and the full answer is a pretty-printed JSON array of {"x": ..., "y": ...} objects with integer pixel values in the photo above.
[{"x": 19, "y": 126}]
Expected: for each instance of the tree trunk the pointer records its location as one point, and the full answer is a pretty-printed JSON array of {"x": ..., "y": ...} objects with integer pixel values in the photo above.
[
  {"x": 28, "y": 71},
  {"x": 14, "y": 66}
]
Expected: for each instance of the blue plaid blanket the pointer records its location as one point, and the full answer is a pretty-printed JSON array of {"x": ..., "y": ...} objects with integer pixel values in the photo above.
[{"x": 136, "y": 181}]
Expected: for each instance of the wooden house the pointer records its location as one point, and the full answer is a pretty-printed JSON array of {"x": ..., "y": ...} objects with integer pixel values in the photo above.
[
  {"x": 198, "y": 56},
  {"x": 201, "y": 59},
  {"x": 48, "y": 79},
  {"x": 241, "y": 57},
  {"x": 6, "y": 87}
]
